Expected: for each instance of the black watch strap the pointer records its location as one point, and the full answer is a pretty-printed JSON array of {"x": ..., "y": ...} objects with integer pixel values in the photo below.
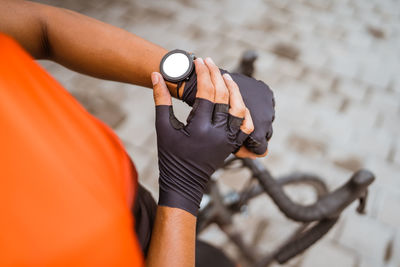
[{"x": 179, "y": 84}]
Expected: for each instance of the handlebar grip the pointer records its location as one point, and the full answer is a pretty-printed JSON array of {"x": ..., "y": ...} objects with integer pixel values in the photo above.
[
  {"x": 328, "y": 206},
  {"x": 305, "y": 240}
]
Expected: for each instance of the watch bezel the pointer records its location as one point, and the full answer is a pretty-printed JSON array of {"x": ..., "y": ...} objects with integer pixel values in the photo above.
[{"x": 184, "y": 75}]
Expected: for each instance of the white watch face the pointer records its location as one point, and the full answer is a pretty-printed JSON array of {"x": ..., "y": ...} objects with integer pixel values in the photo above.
[{"x": 176, "y": 65}]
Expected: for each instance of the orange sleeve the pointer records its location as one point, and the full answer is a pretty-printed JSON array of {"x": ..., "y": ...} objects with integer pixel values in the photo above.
[{"x": 66, "y": 182}]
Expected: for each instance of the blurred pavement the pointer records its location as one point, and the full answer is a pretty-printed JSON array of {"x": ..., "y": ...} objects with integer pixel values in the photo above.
[{"x": 334, "y": 67}]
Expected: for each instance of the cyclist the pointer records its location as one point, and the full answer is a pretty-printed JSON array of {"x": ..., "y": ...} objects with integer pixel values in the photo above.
[{"x": 67, "y": 184}]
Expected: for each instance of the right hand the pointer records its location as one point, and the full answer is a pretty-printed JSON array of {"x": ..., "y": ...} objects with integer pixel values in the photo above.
[
  {"x": 258, "y": 98},
  {"x": 189, "y": 154}
]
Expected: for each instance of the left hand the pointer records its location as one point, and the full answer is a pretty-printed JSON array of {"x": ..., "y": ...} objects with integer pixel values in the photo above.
[{"x": 258, "y": 98}]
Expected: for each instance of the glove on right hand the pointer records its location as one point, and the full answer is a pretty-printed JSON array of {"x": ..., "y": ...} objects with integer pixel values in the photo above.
[
  {"x": 257, "y": 97},
  {"x": 188, "y": 155}
]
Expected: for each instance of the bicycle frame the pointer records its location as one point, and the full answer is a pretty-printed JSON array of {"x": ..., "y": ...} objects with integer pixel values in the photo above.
[{"x": 316, "y": 219}]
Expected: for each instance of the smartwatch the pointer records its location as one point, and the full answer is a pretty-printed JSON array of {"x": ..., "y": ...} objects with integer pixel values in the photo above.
[{"x": 176, "y": 67}]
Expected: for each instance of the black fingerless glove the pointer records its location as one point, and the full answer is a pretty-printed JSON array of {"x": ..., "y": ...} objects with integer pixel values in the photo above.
[
  {"x": 189, "y": 154},
  {"x": 257, "y": 97}
]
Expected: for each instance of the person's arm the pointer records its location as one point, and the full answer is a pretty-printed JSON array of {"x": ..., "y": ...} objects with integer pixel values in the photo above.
[
  {"x": 218, "y": 125},
  {"x": 173, "y": 238},
  {"x": 81, "y": 43},
  {"x": 86, "y": 45}
]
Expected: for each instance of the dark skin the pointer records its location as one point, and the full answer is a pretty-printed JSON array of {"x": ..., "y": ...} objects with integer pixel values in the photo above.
[
  {"x": 72, "y": 40},
  {"x": 92, "y": 47},
  {"x": 174, "y": 232}
]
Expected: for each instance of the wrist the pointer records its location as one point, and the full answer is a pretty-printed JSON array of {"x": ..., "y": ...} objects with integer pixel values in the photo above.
[
  {"x": 171, "y": 198},
  {"x": 172, "y": 87}
]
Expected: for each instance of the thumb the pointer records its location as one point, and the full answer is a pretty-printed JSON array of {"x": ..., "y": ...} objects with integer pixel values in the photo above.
[{"x": 160, "y": 91}]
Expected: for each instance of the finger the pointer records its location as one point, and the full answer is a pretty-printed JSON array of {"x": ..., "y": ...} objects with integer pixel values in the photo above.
[
  {"x": 221, "y": 91},
  {"x": 247, "y": 125},
  {"x": 160, "y": 91},
  {"x": 241, "y": 128},
  {"x": 243, "y": 152},
  {"x": 221, "y": 115},
  {"x": 234, "y": 124},
  {"x": 247, "y": 128},
  {"x": 256, "y": 145},
  {"x": 205, "y": 88},
  {"x": 237, "y": 106},
  {"x": 163, "y": 102},
  {"x": 270, "y": 132},
  {"x": 201, "y": 115}
]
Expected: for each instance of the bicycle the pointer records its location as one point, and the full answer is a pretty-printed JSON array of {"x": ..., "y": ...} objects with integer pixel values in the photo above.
[{"x": 316, "y": 219}]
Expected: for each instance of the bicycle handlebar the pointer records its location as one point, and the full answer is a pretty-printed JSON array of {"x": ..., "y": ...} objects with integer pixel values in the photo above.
[
  {"x": 328, "y": 206},
  {"x": 325, "y": 211}
]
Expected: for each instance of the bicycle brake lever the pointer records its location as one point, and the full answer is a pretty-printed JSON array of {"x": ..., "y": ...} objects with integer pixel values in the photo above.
[{"x": 362, "y": 203}]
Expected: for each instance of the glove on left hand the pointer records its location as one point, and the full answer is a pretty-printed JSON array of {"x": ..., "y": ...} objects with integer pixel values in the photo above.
[{"x": 258, "y": 98}]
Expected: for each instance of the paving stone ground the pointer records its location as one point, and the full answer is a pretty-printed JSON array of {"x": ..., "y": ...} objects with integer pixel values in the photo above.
[{"x": 334, "y": 67}]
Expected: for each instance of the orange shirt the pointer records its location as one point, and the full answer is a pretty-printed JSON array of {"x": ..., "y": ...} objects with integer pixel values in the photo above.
[{"x": 66, "y": 182}]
